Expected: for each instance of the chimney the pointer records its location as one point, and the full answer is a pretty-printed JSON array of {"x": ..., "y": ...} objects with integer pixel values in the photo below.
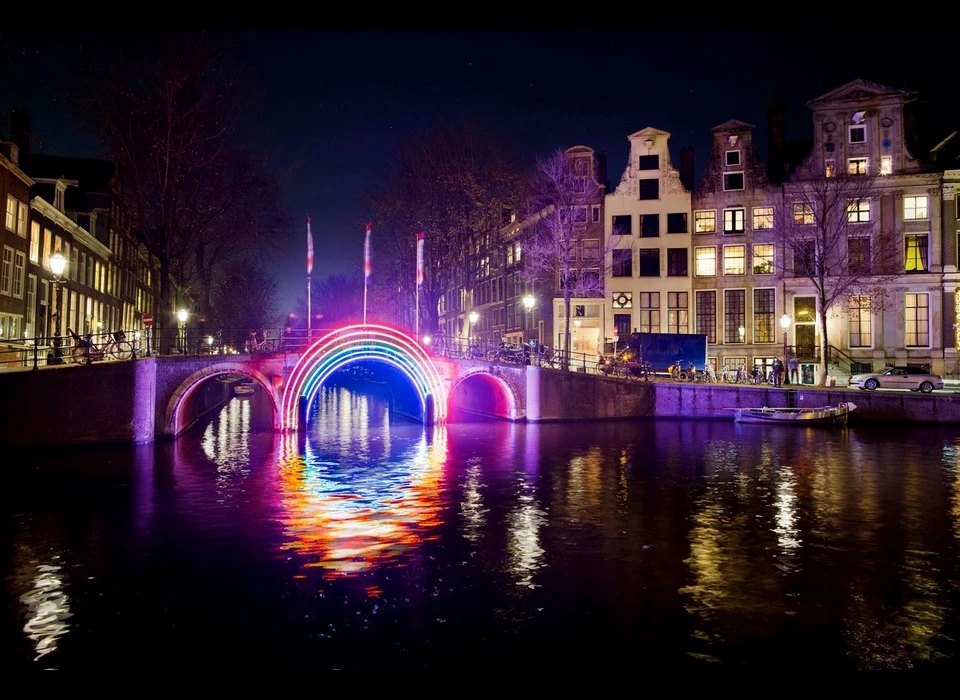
[
  {"x": 601, "y": 166},
  {"x": 776, "y": 141},
  {"x": 20, "y": 129},
  {"x": 686, "y": 167},
  {"x": 10, "y": 152}
]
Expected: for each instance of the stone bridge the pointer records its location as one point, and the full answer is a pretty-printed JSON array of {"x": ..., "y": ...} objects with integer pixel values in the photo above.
[{"x": 140, "y": 400}]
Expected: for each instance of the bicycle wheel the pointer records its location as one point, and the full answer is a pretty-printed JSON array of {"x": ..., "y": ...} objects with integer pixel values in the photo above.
[
  {"x": 80, "y": 355},
  {"x": 121, "y": 351},
  {"x": 267, "y": 346},
  {"x": 491, "y": 356}
]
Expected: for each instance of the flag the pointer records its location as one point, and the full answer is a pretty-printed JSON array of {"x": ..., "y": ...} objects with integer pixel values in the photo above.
[
  {"x": 367, "y": 263},
  {"x": 309, "y": 248},
  {"x": 420, "y": 258}
]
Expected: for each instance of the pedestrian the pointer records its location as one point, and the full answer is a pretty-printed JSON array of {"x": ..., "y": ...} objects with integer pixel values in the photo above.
[
  {"x": 792, "y": 364},
  {"x": 777, "y": 372}
]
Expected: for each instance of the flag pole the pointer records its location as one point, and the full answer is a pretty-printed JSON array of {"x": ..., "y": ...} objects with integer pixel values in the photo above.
[
  {"x": 309, "y": 289},
  {"x": 419, "y": 282},
  {"x": 366, "y": 271}
]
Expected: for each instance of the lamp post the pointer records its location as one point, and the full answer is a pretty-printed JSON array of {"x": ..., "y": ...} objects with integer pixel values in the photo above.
[
  {"x": 58, "y": 264},
  {"x": 182, "y": 319},
  {"x": 473, "y": 317},
  {"x": 785, "y": 325}
]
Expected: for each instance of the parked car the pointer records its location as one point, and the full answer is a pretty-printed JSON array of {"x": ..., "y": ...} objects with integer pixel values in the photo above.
[{"x": 912, "y": 378}]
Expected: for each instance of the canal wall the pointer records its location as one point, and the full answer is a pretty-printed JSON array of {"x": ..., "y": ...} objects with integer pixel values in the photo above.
[
  {"x": 68, "y": 405},
  {"x": 570, "y": 396},
  {"x": 715, "y": 401}
]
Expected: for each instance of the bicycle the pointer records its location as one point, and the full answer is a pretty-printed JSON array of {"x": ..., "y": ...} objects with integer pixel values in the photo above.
[
  {"x": 259, "y": 342},
  {"x": 85, "y": 350}
]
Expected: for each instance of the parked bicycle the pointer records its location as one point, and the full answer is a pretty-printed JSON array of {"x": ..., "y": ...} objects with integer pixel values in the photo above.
[
  {"x": 85, "y": 350},
  {"x": 259, "y": 342}
]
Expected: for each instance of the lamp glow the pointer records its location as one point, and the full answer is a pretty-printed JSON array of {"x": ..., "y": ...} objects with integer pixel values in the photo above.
[
  {"x": 528, "y": 302},
  {"x": 58, "y": 264},
  {"x": 182, "y": 315},
  {"x": 474, "y": 317}
]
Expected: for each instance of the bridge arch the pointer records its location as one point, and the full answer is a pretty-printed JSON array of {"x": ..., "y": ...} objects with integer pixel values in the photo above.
[
  {"x": 505, "y": 400},
  {"x": 187, "y": 386},
  {"x": 363, "y": 342}
]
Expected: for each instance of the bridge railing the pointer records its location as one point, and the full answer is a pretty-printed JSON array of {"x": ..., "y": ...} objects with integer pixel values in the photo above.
[{"x": 553, "y": 358}]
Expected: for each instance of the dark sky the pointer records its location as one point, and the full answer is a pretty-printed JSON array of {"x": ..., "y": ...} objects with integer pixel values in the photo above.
[{"x": 336, "y": 103}]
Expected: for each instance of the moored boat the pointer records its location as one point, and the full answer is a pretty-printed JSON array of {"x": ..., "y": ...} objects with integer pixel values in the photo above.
[
  {"x": 242, "y": 390},
  {"x": 821, "y": 415}
]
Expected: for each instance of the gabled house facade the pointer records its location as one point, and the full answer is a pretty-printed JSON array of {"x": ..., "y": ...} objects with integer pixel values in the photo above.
[
  {"x": 737, "y": 296},
  {"x": 860, "y": 130},
  {"x": 15, "y": 291},
  {"x": 648, "y": 224}
]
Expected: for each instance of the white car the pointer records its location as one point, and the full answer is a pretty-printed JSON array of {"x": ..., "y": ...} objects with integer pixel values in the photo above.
[{"x": 912, "y": 378}]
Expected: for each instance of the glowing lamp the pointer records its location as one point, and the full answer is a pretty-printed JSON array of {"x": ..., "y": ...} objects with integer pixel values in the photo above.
[{"x": 182, "y": 315}]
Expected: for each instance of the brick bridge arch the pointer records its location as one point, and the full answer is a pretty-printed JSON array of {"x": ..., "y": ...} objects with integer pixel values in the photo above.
[
  {"x": 509, "y": 383},
  {"x": 356, "y": 343},
  {"x": 171, "y": 419}
]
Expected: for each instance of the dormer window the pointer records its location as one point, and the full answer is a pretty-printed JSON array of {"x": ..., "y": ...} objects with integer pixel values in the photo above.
[
  {"x": 858, "y": 133},
  {"x": 732, "y": 181},
  {"x": 733, "y": 158}
]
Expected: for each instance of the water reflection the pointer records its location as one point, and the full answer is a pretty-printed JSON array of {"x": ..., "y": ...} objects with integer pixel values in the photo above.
[
  {"x": 47, "y": 609},
  {"x": 523, "y": 526},
  {"x": 351, "y": 505}
]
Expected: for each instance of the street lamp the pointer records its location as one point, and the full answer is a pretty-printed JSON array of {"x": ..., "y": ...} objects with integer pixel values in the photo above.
[
  {"x": 743, "y": 333},
  {"x": 58, "y": 264},
  {"x": 529, "y": 302},
  {"x": 182, "y": 318},
  {"x": 785, "y": 325},
  {"x": 473, "y": 317}
]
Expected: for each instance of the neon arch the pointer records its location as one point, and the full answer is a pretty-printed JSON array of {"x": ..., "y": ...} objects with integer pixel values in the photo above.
[{"x": 362, "y": 342}]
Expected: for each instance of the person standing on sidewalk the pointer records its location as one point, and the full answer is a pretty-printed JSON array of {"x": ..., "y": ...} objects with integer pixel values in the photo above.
[
  {"x": 777, "y": 372},
  {"x": 792, "y": 365}
]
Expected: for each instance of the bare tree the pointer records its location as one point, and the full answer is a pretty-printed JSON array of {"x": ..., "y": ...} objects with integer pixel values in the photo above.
[
  {"x": 337, "y": 299},
  {"x": 449, "y": 182},
  {"x": 561, "y": 192},
  {"x": 832, "y": 236},
  {"x": 163, "y": 114},
  {"x": 244, "y": 298}
]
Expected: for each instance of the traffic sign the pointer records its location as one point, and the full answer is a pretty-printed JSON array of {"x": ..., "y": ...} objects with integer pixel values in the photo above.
[{"x": 147, "y": 320}]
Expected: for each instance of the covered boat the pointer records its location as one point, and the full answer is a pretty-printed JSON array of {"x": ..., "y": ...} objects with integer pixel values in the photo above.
[{"x": 822, "y": 415}]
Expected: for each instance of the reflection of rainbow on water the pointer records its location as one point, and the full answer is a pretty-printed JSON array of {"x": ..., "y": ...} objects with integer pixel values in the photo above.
[{"x": 349, "y": 519}]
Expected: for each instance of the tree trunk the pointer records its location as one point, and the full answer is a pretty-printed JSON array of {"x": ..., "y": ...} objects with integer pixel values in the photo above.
[
  {"x": 164, "y": 311},
  {"x": 823, "y": 345}
]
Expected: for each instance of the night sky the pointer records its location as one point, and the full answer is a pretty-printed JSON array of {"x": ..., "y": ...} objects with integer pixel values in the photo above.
[{"x": 335, "y": 103}]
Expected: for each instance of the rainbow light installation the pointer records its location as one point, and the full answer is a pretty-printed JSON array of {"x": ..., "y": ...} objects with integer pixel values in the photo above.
[{"x": 362, "y": 342}]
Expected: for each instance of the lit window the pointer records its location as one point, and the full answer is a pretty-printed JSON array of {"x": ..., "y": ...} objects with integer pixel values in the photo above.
[
  {"x": 886, "y": 165},
  {"x": 831, "y": 169},
  {"x": 916, "y": 317},
  {"x": 858, "y": 211},
  {"x": 915, "y": 207},
  {"x": 762, "y": 218},
  {"x": 11, "y": 218},
  {"x": 623, "y": 300},
  {"x": 763, "y": 258},
  {"x": 733, "y": 220},
  {"x": 857, "y": 166},
  {"x": 34, "y": 242},
  {"x": 705, "y": 221},
  {"x": 859, "y": 329},
  {"x": 803, "y": 214},
  {"x": 915, "y": 253},
  {"x": 734, "y": 259},
  {"x": 706, "y": 261}
]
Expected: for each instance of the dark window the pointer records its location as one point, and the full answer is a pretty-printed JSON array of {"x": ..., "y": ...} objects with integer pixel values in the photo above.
[
  {"x": 650, "y": 262},
  {"x": 734, "y": 314},
  {"x": 733, "y": 157},
  {"x": 622, "y": 225},
  {"x": 649, "y": 162},
  {"x": 650, "y": 189},
  {"x": 732, "y": 181},
  {"x": 805, "y": 258},
  {"x": 677, "y": 223},
  {"x": 622, "y": 263},
  {"x": 649, "y": 225},
  {"x": 622, "y": 323},
  {"x": 707, "y": 315},
  {"x": 858, "y": 255},
  {"x": 677, "y": 262}
]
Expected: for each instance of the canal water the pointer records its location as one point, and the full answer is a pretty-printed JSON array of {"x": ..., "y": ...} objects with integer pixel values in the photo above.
[{"x": 377, "y": 544}]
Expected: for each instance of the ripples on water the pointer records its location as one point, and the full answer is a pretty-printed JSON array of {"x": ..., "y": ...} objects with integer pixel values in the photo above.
[{"x": 374, "y": 544}]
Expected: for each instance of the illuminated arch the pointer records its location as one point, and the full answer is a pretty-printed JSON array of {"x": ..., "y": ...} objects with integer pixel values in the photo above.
[
  {"x": 362, "y": 342},
  {"x": 513, "y": 398},
  {"x": 189, "y": 385}
]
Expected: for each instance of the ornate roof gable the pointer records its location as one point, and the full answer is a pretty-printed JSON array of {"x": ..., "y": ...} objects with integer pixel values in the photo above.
[
  {"x": 733, "y": 125},
  {"x": 857, "y": 91}
]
